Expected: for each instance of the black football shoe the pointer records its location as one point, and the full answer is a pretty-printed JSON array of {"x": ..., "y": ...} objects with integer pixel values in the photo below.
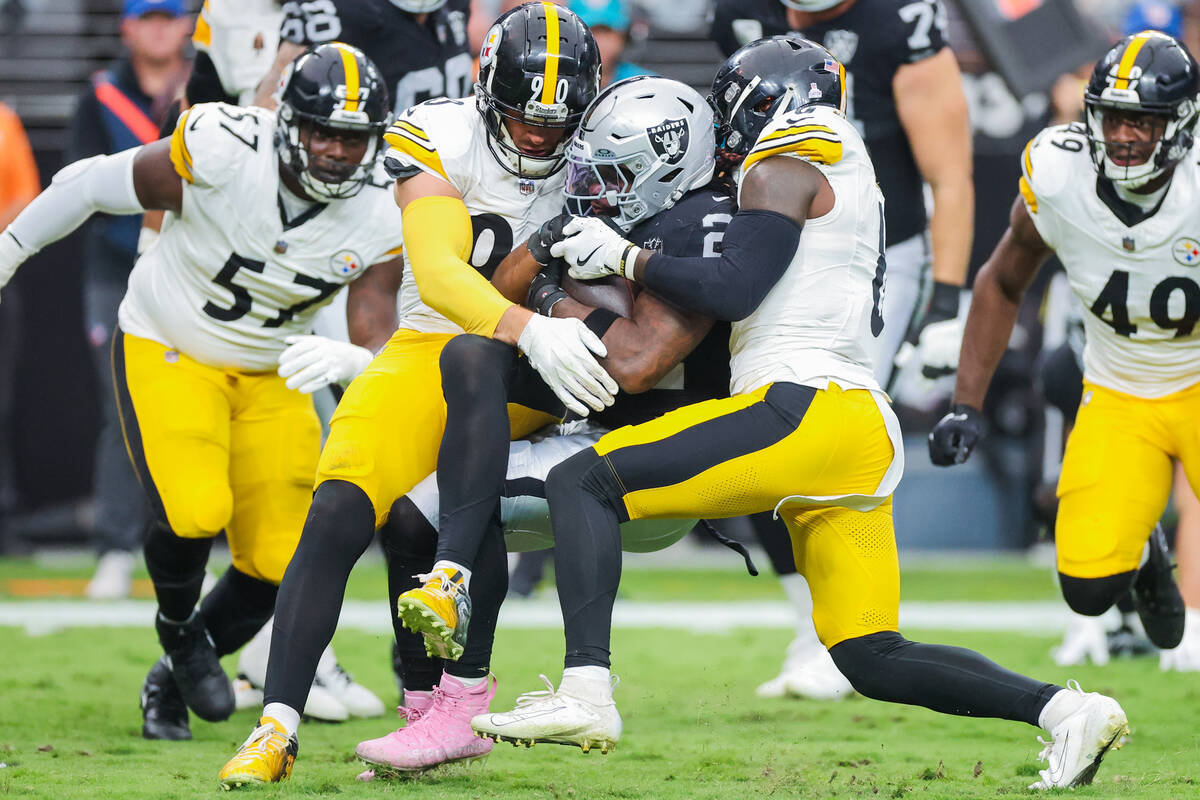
[
  {"x": 1156, "y": 596},
  {"x": 193, "y": 661},
  {"x": 164, "y": 714}
]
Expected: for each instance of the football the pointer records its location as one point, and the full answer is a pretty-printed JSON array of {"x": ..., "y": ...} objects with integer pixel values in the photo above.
[{"x": 611, "y": 292}]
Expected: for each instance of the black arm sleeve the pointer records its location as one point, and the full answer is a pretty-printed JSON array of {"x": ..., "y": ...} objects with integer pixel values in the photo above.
[{"x": 758, "y": 247}]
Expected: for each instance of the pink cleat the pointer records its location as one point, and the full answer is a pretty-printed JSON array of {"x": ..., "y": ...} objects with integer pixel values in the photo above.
[
  {"x": 440, "y": 735},
  {"x": 416, "y": 705}
]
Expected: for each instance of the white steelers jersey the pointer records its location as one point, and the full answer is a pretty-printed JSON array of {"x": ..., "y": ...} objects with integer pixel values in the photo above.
[
  {"x": 448, "y": 139},
  {"x": 816, "y": 323},
  {"x": 241, "y": 37},
  {"x": 227, "y": 280},
  {"x": 1137, "y": 274}
]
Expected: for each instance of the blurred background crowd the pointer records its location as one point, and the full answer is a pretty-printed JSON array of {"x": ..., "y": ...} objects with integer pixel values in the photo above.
[{"x": 81, "y": 77}]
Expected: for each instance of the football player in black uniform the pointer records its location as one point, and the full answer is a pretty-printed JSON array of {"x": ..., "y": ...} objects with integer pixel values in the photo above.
[
  {"x": 900, "y": 77},
  {"x": 420, "y": 45},
  {"x": 643, "y": 158}
]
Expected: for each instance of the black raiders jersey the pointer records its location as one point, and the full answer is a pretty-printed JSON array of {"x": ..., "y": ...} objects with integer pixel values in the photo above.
[
  {"x": 737, "y": 23},
  {"x": 417, "y": 62},
  {"x": 873, "y": 39},
  {"x": 695, "y": 226}
]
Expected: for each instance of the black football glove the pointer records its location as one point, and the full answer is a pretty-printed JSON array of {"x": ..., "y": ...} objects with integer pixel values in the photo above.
[
  {"x": 545, "y": 290},
  {"x": 955, "y": 436},
  {"x": 550, "y": 232}
]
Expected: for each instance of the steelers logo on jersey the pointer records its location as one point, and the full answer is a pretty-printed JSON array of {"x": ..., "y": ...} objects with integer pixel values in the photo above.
[
  {"x": 1186, "y": 251},
  {"x": 345, "y": 263}
]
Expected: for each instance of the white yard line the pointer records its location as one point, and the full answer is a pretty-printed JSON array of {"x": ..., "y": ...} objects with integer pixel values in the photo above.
[{"x": 41, "y": 617}]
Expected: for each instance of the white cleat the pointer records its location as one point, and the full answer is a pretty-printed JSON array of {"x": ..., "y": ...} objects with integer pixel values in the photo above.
[
  {"x": 808, "y": 672},
  {"x": 1185, "y": 657},
  {"x": 358, "y": 700},
  {"x": 113, "y": 579},
  {"x": 1085, "y": 640},
  {"x": 246, "y": 694},
  {"x": 1081, "y": 740},
  {"x": 555, "y": 718}
]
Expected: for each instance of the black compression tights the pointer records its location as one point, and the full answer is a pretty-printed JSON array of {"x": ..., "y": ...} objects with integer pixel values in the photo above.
[
  {"x": 951, "y": 680},
  {"x": 176, "y": 567},
  {"x": 339, "y": 528},
  {"x": 473, "y": 458},
  {"x": 236, "y": 608},
  {"x": 410, "y": 541}
]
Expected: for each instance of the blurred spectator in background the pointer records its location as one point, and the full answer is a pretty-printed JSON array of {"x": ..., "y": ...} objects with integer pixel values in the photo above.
[
  {"x": 18, "y": 185},
  {"x": 123, "y": 108},
  {"x": 610, "y": 22}
]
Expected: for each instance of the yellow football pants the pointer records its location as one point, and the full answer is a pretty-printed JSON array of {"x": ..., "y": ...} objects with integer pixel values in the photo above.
[
  {"x": 218, "y": 449},
  {"x": 1116, "y": 476},
  {"x": 743, "y": 454},
  {"x": 384, "y": 436}
]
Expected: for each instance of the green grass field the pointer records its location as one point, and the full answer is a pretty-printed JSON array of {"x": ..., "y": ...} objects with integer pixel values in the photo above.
[{"x": 70, "y": 727}]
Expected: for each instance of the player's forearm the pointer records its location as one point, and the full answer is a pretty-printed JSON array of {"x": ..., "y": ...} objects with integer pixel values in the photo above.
[
  {"x": 264, "y": 95},
  {"x": 97, "y": 184},
  {"x": 985, "y": 337},
  {"x": 952, "y": 228},
  {"x": 515, "y": 273}
]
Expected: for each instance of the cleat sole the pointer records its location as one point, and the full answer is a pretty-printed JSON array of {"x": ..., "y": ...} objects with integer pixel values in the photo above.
[
  {"x": 1115, "y": 741},
  {"x": 439, "y": 637},
  {"x": 604, "y": 745},
  {"x": 390, "y": 771}
]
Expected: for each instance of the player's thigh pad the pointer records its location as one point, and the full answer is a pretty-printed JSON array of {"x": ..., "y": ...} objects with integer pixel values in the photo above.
[
  {"x": 849, "y": 560},
  {"x": 1115, "y": 480},
  {"x": 274, "y": 446},
  {"x": 743, "y": 454},
  {"x": 175, "y": 414}
]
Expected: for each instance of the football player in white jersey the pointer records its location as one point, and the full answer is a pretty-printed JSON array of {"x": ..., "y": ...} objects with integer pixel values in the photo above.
[
  {"x": 267, "y": 217},
  {"x": 1116, "y": 200},
  {"x": 473, "y": 177},
  {"x": 806, "y": 432}
]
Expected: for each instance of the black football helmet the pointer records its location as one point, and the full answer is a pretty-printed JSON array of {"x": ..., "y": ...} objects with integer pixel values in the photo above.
[
  {"x": 540, "y": 66},
  {"x": 1146, "y": 73},
  {"x": 769, "y": 77},
  {"x": 333, "y": 86}
]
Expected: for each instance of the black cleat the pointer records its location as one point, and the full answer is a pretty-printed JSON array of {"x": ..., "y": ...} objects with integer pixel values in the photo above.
[
  {"x": 1156, "y": 596},
  {"x": 164, "y": 714},
  {"x": 193, "y": 661}
]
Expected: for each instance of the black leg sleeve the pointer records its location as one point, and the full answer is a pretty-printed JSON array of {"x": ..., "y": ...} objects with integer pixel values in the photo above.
[
  {"x": 339, "y": 528},
  {"x": 473, "y": 458},
  {"x": 584, "y": 498},
  {"x": 236, "y": 608},
  {"x": 410, "y": 543},
  {"x": 176, "y": 567},
  {"x": 489, "y": 585},
  {"x": 1093, "y": 596},
  {"x": 774, "y": 537},
  {"x": 951, "y": 680}
]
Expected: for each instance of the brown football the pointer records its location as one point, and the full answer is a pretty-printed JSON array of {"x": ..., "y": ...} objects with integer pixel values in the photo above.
[{"x": 611, "y": 292}]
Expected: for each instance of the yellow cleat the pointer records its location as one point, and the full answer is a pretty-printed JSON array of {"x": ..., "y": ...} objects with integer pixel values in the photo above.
[
  {"x": 439, "y": 610},
  {"x": 266, "y": 756}
]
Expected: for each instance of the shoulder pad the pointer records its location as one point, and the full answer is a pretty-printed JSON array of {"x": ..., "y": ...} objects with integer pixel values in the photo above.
[
  {"x": 429, "y": 137},
  {"x": 1050, "y": 162},
  {"x": 212, "y": 139},
  {"x": 813, "y": 133}
]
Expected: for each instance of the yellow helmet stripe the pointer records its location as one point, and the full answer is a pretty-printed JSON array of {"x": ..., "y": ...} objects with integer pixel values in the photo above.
[
  {"x": 202, "y": 36},
  {"x": 1131, "y": 53},
  {"x": 350, "y": 67},
  {"x": 550, "y": 76},
  {"x": 842, "y": 78}
]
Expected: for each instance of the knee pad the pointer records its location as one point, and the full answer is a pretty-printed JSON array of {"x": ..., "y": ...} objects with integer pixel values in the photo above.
[
  {"x": 1093, "y": 596},
  {"x": 201, "y": 511},
  {"x": 407, "y": 534},
  {"x": 862, "y": 658}
]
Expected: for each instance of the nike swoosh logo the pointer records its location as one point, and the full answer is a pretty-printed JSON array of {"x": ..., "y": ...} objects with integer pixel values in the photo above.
[
  {"x": 589, "y": 256},
  {"x": 1062, "y": 767},
  {"x": 524, "y": 716}
]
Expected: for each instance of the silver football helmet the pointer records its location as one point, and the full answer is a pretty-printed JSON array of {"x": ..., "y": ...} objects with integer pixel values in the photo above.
[
  {"x": 809, "y": 5},
  {"x": 419, "y": 6},
  {"x": 642, "y": 144}
]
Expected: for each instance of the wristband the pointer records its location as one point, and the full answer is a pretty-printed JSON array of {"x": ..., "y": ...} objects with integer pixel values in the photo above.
[
  {"x": 629, "y": 260},
  {"x": 943, "y": 304},
  {"x": 544, "y": 292},
  {"x": 600, "y": 320}
]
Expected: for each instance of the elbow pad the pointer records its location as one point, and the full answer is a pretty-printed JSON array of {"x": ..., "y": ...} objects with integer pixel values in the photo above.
[
  {"x": 96, "y": 184},
  {"x": 438, "y": 239}
]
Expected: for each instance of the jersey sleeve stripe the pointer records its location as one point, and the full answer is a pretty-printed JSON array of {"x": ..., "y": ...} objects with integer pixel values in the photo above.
[
  {"x": 202, "y": 36},
  {"x": 395, "y": 135},
  {"x": 1028, "y": 195},
  {"x": 415, "y": 152},
  {"x": 180, "y": 157},
  {"x": 1027, "y": 160},
  {"x": 779, "y": 134},
  {"x": 550, "y": 79},
  {"x": 350, "y": 68},
  {"x": 821, "y": 151},
  {"x": 416, "y": 132}
]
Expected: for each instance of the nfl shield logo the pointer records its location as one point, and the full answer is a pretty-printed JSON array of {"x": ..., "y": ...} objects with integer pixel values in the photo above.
[
  {"x": 1127, "y": 243},
  {"x": 526, "y": 186}
]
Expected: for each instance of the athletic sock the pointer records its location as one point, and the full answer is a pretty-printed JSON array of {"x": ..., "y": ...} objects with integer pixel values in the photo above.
[
  {"x": 451, "y": 567},
  {"x": 590, "y": 683},
  {"x": 284, "y": 714}
]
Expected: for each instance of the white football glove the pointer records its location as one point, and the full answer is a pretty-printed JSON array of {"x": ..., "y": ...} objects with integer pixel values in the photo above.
[
  {"x": 592, "y": 250},
  {"x": 313, "y": 362},
  {"x": 561, "y": 350},
  {"x": 12, "y": 255},
  {"x": 938, "y": 346}
]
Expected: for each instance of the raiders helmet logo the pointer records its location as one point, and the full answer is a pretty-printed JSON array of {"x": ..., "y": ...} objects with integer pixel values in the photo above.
[{"x": 669, "y": 139}]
